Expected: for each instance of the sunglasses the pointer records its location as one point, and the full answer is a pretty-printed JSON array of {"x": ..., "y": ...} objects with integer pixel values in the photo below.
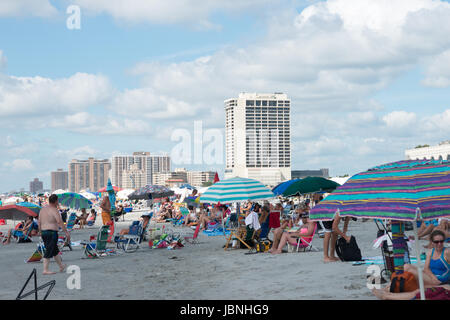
[{"x": 438, "y": 241}]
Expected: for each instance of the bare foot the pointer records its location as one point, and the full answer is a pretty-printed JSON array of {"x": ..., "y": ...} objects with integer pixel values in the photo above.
[
  {"x": 334, "y": 258},
  {"x": 62, "y": 268},
  {"x": 327, "y": 260},
  {"x": 276, "y": 252},
  {"x": 379, "y": 293},
  {"x": 48, "y": 272}
]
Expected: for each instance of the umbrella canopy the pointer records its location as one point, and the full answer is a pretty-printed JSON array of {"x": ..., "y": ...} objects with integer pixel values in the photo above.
[
  {"x": 115, "y": 188},
  {"x": 280, "y": 188},
  {"x": 398, "y": 191},
  {"x": 309, "y": 185},
  {"x": 123, "y": 194},
  {"x": 186, "y": 186},
  {"x": 32, "y": 206},
  {"x": 16, "y": 212},
  {"x": 151, "y": 192},
  {"x": 404, "y": 190},
  {"x": 236, "y": 190},
  {"x": 88, "y": 195},
  {"x": 74, "y": 200},
  {"x": 12, "y": 200},
  {"x": 59, "y": 191}
]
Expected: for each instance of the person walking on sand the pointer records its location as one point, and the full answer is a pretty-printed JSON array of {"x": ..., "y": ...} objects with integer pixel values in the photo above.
[
  {"x": 106, "y": 210},
  {"x": 49, "y": 222}
]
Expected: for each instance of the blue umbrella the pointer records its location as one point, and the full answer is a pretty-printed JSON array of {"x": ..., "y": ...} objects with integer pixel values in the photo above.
[{"x": 280, "y": 188}]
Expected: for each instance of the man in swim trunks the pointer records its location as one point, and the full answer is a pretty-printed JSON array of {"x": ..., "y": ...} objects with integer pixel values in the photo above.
[{"x": 49, "y": 222}]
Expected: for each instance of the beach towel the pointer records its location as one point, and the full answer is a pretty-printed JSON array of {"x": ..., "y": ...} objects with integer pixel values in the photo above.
[
  {"x": 217, "y": 232},
  {"x": 376, "y": 260}
]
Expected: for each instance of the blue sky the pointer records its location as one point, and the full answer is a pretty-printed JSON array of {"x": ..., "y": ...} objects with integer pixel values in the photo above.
[{"x": 367, "y": 78}]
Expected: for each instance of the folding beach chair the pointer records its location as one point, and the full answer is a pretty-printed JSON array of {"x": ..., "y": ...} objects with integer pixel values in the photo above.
[
  {"x": 62, "y": 239},
  {"x": 193, "y": 239},
  {"x": 97, "y": 248},
  {"x": 304, "y": 243},
  {"x": 22, "y": 237},
  {"x": 130, "y": 242}
]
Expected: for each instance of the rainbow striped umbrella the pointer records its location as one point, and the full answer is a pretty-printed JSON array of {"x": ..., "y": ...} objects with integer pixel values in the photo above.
[
  {"x": 236, "y": 190},
  {"x": 74, "y": 200},
  {"x": 400, "y": 191},
  {"x": 405, "y": 190}
]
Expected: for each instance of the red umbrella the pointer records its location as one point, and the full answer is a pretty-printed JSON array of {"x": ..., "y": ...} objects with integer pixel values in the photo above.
[
  {"x": 216, "y": 178},
  {"x": 15, "y": 212},
  {"x": 115, "y": 188}
]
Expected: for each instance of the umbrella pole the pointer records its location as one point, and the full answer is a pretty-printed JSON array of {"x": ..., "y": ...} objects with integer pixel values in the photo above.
[{"x": 419, "y": 262}]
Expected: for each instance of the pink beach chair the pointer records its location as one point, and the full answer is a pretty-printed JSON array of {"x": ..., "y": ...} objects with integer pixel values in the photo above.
[
  {"x": 193, "y": 239},
  {"x": 304, "y": 243}
]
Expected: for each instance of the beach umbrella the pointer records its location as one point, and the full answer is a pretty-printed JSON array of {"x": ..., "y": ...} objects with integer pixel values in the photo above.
[
  {"x": 32, "y": 206},
  {"x": 216, "y": 178},
  {"x": 74, "y": 200},
  {"x": 123, "y": 194},
  {"x": 406, "y": 190},
  {"x": 186, "y": 186},
  {"x": 17, "y": 212},
  {"x": 59, "y": 191},
  {"x": 112, "y": 196},
  {"x": 12, "y": 200},
  {"x": 280, "y": 188},
  {"x": 151, "y": 192},
  {"x": 236, "y": 190},
  {"x": 309, "y": 185},
  {"x": 104, "y": 189}
]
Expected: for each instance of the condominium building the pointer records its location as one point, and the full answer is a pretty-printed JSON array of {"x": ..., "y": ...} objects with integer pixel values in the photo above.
[
  {"x": 198, "y": 178},
  {"x": 257, "y": 132},
  {"x": 171, "y": 179},
  {"x": 36, "y": 186},
  {"x": 60, "y": 180},
  {"x": 299, "y": 174},
  {"x": 89, "y": 174},
  {"x": 438, "y": 152},
  {"x": 137, "y": 170}
]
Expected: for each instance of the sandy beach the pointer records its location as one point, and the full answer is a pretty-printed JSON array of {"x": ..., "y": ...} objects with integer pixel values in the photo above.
[{"x": 199, "y": 272}]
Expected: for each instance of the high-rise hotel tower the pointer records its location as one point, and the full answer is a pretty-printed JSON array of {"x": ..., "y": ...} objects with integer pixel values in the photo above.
[{"x": 257, "y": 132}]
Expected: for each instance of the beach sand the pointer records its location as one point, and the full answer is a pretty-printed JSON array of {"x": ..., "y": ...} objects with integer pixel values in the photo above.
[{"x": 198, "y": 272}]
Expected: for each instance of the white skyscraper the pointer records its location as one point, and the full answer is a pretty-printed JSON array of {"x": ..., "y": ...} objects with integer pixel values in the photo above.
[{"x": 257, "y": 132}]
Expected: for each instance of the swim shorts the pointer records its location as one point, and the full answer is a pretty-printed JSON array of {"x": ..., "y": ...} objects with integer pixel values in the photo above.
[{"x": 50, "y": 238}]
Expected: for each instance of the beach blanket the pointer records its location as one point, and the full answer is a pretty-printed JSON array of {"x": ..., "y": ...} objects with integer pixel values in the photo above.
[
  {"x": 376, "y": 260},
  {"x": 217, "y": 232}
]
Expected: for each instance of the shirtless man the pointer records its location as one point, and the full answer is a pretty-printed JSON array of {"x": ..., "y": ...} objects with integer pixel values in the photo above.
[{"x": 49, "y": 222}]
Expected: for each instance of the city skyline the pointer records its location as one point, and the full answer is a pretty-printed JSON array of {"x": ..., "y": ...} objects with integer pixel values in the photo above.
[{"x": 367, "y": 79}]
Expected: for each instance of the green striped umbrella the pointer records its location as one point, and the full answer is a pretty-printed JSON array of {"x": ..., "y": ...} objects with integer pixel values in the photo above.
[
  {"x": 236, "y": 190},
  {"x": 74, "y": 200}
]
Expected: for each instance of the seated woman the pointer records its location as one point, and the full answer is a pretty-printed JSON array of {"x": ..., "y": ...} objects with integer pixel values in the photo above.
[
  {"x": 23, "y": 227},
  {"x": 441, "y": 292},
  {"x": 306, "y": 230},
  {"x": 437, "y": 263},
  {"x": 191, "y": 219},
  {"x": 92, "y": 216},
  {"x": 81, "y": 220},
  {"x": 215, "y": 216},
  {"x": 145, "y": 220}
]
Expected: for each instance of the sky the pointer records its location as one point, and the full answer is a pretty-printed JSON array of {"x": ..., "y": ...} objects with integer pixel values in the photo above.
[{"x": 367, "y": 79}]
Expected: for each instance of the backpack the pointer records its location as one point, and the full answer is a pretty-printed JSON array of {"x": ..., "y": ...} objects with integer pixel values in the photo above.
[
  {"x": 348, "y": 251},
  {"x": 403, "y": 282}
]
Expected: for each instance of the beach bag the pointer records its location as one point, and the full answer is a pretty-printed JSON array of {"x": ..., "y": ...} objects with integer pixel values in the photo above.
[
  {"x": 348, "y": 251},
  {"x": 403, "y": 282},
  {"x": 263, "y": 245}
]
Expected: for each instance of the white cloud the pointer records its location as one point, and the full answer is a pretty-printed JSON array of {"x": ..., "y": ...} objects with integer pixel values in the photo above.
[
  {"x": 437, "y": 73},
  {"x": 18, "y": 8},
  {"x": 20, "y": 165},
  {"x": 400, "y": 119},
  {"x": 36, "y": 96},
  {"x": 191, "y": 12}
]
